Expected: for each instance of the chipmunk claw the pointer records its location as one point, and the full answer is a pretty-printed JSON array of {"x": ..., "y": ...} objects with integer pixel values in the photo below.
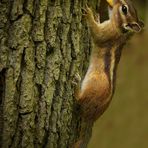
[
  {"x": 87, "y": 11},
  {"x": 97, "y": 18},
  {"x": 76, "y": 80},
  {"x": 76, "y": 84}
]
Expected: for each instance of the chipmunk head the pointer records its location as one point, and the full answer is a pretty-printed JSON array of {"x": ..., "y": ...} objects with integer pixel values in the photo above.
[{"x": 125, "y": 15}]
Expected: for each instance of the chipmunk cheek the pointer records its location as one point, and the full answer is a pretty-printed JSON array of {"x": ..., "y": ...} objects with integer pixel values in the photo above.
[{"x": 135, "y": 27}]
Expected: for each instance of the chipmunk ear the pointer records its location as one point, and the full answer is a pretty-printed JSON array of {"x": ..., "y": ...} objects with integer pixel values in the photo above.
[{"x": 112, "y": 2}]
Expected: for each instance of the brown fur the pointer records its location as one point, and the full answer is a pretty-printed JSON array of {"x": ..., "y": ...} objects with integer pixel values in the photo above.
[{"x": 98, "y": 85}]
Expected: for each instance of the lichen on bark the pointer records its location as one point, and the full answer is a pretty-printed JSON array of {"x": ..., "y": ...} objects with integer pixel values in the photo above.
[{"x": 43, "y": 43}]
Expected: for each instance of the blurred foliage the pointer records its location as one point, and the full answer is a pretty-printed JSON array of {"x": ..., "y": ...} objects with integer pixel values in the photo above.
[{"x": 125, "y": 123}]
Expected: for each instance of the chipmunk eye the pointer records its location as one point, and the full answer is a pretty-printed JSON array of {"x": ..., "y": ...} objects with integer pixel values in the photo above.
[{"x": 124, "y": 9}]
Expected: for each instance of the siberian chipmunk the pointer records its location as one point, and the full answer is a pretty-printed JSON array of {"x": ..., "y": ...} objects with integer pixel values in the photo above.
[{"x": 108, "y": 40}]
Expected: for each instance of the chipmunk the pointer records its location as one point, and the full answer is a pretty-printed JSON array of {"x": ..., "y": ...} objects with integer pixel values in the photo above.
[{"x": 108, "y": 39}]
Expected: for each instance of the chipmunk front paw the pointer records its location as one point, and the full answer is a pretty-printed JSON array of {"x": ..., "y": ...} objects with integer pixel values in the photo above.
[{"x": 87, "y": 13}]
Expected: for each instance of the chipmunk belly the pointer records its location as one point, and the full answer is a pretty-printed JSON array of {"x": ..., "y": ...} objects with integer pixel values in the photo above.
[
  {"x": 98, "y": 85},
  {"x": 96, "y": 95}
]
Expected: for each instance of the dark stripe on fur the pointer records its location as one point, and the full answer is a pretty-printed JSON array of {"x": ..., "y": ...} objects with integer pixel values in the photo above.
[
  {"x": 107, "y": 62},
  {"x": 117, "y": 59}
]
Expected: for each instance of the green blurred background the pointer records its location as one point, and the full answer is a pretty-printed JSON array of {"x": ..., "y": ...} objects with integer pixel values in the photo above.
[{"x": 125, "y": 123}]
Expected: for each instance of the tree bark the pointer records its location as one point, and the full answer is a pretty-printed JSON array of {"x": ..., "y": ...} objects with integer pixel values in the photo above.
[{"x": 43, "y": 44}]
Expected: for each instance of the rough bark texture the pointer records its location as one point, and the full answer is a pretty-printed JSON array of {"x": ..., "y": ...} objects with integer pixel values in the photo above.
[{"x": 43, "y": 43}]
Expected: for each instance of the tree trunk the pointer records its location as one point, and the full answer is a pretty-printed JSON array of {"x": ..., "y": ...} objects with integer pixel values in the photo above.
[{"x": 43, "y": 43}]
